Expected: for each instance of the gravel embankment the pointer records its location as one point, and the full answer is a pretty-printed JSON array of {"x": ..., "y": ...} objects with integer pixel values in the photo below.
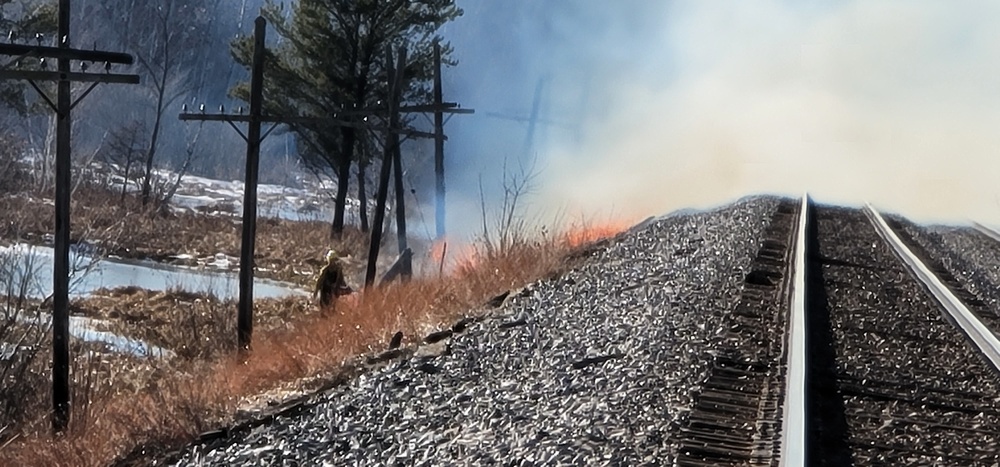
[
  {"x": 596, "y": 366},
  {"x": 913, "y": 392},
  {"x": 971, "y": 257}
]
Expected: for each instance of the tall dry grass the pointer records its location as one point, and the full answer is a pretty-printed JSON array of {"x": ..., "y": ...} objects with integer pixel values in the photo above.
[
  {"x": 285, "y": 250},
  {"x": 177, "y": 403}
]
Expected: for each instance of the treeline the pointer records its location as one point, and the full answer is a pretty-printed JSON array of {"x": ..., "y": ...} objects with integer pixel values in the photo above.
[
  {"x": 327, "y": 56},
  {"x": 182, "y": 56}
]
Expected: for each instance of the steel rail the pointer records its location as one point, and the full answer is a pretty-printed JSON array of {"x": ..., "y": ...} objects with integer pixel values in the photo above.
[
  {"x": 793, "y": 425},
  {"x": 981, "y": 336},
  {"x": 987, "y": 231}
]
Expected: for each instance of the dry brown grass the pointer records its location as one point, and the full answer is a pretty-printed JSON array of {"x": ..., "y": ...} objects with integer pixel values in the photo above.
[
  {"x": 188, "y": 398},
  {"x": 192, "y": 325},
  {"x": 285, "y": 250}
]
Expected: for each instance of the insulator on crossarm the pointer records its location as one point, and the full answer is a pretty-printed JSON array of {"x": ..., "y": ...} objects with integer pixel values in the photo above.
[
  {"x": 184, "y": 108},
  {"x": 222, "y": 109},
  {"x": 201, "y": 108},
  {"x": 39, "y": 37},
  {"x": 107, "y": 67},
  {"x": 83, "y": 66},
  {"x": 42, "y": 64}
]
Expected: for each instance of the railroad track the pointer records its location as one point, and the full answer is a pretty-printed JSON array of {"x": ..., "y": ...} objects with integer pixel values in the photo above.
[
  {"x": 835, "y": 351},
  {"x": 851, "y": 345}
]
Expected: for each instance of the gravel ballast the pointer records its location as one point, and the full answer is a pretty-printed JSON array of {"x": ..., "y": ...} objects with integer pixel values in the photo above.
[
  {"x": 596, "y": 366},
  {"x": 970, "y": 256},
  {"x": 913, "y": 391}
]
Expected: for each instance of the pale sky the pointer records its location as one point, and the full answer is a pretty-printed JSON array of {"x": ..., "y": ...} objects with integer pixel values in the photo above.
[{"x": 695, "y": 103}]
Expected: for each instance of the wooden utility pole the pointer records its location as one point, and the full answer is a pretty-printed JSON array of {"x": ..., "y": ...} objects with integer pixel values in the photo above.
[
  {"x": 244, "y": 319},
  {"x": 254, "y": 137},
  {"x": 60, "y": 266},
  {"x": 63, "y": 107},
  {"x": 392, "y": 157},
  {"x": 536, "y": 105},
  {"x": 438, "y": 146},
  {"x": 395, "y": 80},
  {"x": 397, "y": 162},
  {"x": 534, "y": 119}
]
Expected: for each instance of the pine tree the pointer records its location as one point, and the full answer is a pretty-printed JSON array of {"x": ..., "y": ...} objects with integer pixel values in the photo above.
[{"x": 330, "y": 58}]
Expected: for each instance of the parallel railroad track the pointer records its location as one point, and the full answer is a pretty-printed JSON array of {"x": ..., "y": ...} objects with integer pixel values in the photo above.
[
  {"x": 836, "y": 350},
  {"x": 851, "y": 345}
]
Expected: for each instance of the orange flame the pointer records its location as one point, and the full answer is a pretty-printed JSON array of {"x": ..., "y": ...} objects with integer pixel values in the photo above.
[
  {"x": 585, "y": 234},
  {"x": 452, "y": 256},
  {"x": 439, "y": 250}
]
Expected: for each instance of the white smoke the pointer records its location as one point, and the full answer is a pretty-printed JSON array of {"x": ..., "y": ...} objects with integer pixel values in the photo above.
[{"x": 696, "y": 103}]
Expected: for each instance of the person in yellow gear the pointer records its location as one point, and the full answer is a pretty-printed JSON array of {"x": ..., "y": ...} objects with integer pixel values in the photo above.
[{"x": 331, "y": 282}]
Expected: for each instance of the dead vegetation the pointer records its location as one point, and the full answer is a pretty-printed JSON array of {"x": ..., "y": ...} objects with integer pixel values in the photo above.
[
  {"x": 285, "y": 250},
  {"x": 120, "y": 402},
  {"x": 191, "y": 325},
  {"x": 181, "y": 398}
]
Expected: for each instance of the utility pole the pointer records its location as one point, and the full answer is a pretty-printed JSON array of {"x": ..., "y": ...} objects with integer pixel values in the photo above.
[
  {"x": 536, "y": 105},
  {"x": 392, "y": 161},
  {"x": 390, "y": 149},
  {"x": 438, "y": 146},
  {"x": 397, "y": 162},
  {"x": 60, "y": 266},
  {"x": 534, "y": 120},
  {"x": 63, "y": 107},
  {"x": 253, "y": 138},
  {"x": 392, "y": 157},
  {"x": 244, "y": 319}
]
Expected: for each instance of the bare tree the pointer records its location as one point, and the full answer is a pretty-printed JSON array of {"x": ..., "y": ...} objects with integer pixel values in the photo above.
[
  {"x": 125, "y": 151},
  {"x": 13, "y": 173},
  {"x": 189, "y": 157},
  {"x": 164, "y": 36},
  {"x": 158, "y": 62},
  {"x": 22, "y": 336},
  {"x": 504, "y": 227}
]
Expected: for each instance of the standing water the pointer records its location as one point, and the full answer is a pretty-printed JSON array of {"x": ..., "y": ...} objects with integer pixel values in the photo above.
[{"x": 90, "y": 274}]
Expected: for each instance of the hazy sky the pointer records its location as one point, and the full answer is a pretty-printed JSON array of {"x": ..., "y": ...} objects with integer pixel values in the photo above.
[{"x": 654, "y": 105}]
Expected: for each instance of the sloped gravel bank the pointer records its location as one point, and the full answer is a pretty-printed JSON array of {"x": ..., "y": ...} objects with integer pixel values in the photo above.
[
  {"x": 973, "y": 258},
  {"x": 597, "y": 366}
]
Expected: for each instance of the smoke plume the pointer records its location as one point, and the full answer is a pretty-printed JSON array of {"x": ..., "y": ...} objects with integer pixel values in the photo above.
[{"x": 651, "y": 106}]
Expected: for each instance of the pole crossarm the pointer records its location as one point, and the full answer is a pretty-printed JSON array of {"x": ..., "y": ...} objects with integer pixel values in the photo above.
[
  {"x": 446, "y": 107},
  {"x": 238, "y": 130},
  {"x": 48, "y": 100},
  {"x": 188, "y": 116},
  {"x": 63, "y": 105},
  {"x": 25, "y": 50},
  {"x": 518, "y": 118},
  {"x": 85, "y": 94},
  {"x": 41, "y": 75}
]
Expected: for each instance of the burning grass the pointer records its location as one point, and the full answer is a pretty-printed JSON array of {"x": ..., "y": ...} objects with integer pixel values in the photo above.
[
  {"x": 181, "y": 398},
  {"x": 586, "y": 232}
]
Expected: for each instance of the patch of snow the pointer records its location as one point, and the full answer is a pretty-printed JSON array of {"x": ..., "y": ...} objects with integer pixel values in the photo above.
[{"x": 34, "y": 263}]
